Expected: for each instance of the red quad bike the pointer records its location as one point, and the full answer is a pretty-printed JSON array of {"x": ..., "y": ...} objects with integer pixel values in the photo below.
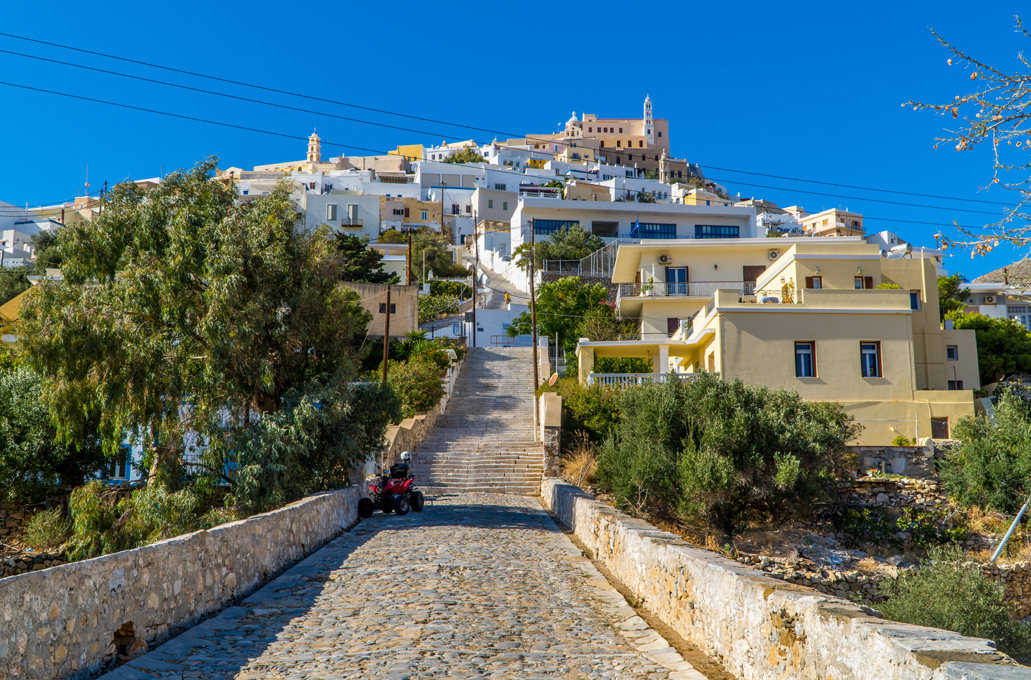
[{"x": 393, "y": 492}]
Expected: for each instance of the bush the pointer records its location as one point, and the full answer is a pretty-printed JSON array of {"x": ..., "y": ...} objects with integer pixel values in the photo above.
[
  {"x": 417, "y": 384},
  {"x": 947, "y": 593},
  {"x": 450, "y": 288},
  {"x": 434, "y": 306},
  {"x": 991, "y": 465},
  {"x": 580, "y": 462},
  {"x": 47, "y": 530},
  {"x": 723, "y": 452},
  {"x": 33, "y": 464},
  {"x": 902, "y": 441}
]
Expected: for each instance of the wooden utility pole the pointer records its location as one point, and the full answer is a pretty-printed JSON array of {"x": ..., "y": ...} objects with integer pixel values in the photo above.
[
  {"x": 442, "y": 185},
  {"x": 409, "y": 265},
  {"x": 533, "y": 311},
  {"x": 476, "y": 271},
  {"x": 386, "y": 338}
]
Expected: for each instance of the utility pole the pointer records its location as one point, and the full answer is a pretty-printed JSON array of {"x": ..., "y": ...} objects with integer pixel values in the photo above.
[
  {"x": 476, "y": 271},
  {"x": 442, "y": 185},
  {"x": 409, "y": 265},
  {"x": 533, "y": 316},
  {"x": 386, "y": 338}
]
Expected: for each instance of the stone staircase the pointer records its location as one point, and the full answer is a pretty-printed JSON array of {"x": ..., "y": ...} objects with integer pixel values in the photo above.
[{"x": 485, "y": 440}]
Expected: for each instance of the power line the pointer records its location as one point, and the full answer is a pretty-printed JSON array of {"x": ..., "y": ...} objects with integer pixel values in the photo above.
[{"x": 404, "y": 115}]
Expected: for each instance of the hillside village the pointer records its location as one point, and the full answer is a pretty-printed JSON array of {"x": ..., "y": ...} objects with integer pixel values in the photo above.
[{"x": 804, "y": 410}]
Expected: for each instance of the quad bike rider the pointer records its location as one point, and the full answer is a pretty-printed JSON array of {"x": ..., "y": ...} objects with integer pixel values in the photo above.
[{"x": 393, "y": 491}]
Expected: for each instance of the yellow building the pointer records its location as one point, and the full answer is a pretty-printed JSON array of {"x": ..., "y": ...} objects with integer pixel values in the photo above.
[
  {"x": 816, "y": 322},
  {"x": 406, "y": 213},
  {"x": 833, "y": 222},
  {"x": 411, "y": 152}
]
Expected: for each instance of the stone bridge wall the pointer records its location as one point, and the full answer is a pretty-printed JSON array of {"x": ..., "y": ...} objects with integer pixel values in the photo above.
[
  {"x": 63, "y": 622},
  {"x": 760, "y": 627}
]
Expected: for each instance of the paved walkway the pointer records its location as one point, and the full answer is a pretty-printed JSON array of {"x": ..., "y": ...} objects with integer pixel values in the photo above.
[{"x": 475, "y": 586}]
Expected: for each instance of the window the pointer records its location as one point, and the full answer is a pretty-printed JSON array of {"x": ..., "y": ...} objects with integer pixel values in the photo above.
[
  {"x": 805, "y": 359},
  {"x": 914, "y": 300},
  {"x": 863, "y": 282},
  {"x": 620, "y": 130},
  {"x": 618, "y": 143},
  {"x": 352, "y": 211},
  {"x": 408, "y": 212},
  {"x": 490, "y": 204},
  {"x": 468, "y": 208},
  {"x": 716, "y": 231},
  {"x": 640, "y": 142},
  {"x": 504, "y": 205},
  {"x": 545, "y": 227},
  {"x": 331, "y": 211},
  {"x": 870, "y": 359},
  {"x": 424, "y": 215},
  {"x": 653, "y": 230},
  {"x": 398, "y": 212},
  {"x": 660, "y": 133},
  {"x": 590, "y": 129},
  {"x": 454, "y": 208},
  {"x": 814, "y": 282},
  {"x": 952, "y": 352},
  {"x": 383, "y": 308},
  {"x": 120, "y": 467},
  {"x": 672, "y": 325},
  {"x": 501, "y": 187},
  {"x": 955, "y": 384}
]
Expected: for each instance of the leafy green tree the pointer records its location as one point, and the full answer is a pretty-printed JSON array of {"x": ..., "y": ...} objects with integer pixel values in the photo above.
[
  {"x": 358, "y": 262},
  {"x": 1003, "y": 345},
  {"x": 567, "y": 243},
  {"x": 186, "y": 316},
  {"x": 948, "y": 591},
  {"x": 561, "y": 306},
  {"x": 392, "y": 236},
  {"x": 645, "y": 197},
  {"x": 33, "y": 463},
  {"x": 46, "y": 248},
  {"x": 13, "y": 282},
  {"x": 467, "y": 155},
  {"x": 952, "y": 297},
  {"x": 991, "y": 465},
  {"x": 723, "y": 452},
  {"x": 439, "y": 259}
]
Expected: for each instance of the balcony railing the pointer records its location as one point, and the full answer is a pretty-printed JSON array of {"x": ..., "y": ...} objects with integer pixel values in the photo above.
[
  {"x": 621, "y": 380},
  {"x": 700, "y": 289},
  {"x": 350, "y": 222}
]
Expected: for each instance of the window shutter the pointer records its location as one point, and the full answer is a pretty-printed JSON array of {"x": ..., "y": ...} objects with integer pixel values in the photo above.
[
  {"x": 868, "y": 282},
  {"x": 672, "y": 324},
  {"x": 407, "y": 212},
  {"x": 808, "y": 282}
]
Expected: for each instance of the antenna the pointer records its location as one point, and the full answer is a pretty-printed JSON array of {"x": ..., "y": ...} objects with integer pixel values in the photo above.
[{"x": 87, "y": 179}]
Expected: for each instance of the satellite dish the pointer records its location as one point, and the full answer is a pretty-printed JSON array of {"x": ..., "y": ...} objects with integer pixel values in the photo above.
[{"x": 553, "y": 379}]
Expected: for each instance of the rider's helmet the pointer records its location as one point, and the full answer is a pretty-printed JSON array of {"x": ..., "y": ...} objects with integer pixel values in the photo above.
[{"x": 406, "y": 457}]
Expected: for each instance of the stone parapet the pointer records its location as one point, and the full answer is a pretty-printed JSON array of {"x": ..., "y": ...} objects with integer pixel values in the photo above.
[
  {"x": 759, "y": 627},
  {"x": 71, "y": 620}
]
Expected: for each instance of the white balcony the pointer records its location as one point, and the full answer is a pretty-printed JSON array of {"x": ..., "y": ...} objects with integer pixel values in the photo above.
[
  {"x": 621, "y": 380},
  {"x": 702, "y": 289}
]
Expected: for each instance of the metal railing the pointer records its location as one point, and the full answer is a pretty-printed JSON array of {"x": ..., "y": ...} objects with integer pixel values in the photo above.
[
  {"x": 598, "y": 264},
  {"x": 620, "y": 380},
  {"x": 688, "y": 289},
  {"x": 350, "y": 222}
]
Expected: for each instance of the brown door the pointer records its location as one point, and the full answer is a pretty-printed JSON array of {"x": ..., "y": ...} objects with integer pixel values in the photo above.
[
  {"x": 939, "y": 428},
  {"x": 749, "y": 274},
  {"x": 672, "y": 325}
]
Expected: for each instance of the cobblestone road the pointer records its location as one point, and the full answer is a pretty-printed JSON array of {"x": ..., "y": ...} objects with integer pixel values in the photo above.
[{"x": 476, "y": 586}]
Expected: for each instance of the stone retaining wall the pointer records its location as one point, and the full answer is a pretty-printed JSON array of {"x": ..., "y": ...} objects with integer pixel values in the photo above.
[
  {"x": 911, "y": 461},
  {"x": 877, "y": 492},
  {"x": 760, "y": 627},
  {"x": 68, "y": 621}
]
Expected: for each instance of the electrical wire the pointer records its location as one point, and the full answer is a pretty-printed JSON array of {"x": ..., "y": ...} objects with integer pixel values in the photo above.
[{"x": 403, "y": 115}]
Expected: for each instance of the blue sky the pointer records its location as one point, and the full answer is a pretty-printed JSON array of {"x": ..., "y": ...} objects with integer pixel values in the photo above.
[{"x": 808, "y": 90}]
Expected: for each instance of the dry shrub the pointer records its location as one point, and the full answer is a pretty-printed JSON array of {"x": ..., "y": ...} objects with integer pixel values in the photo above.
[
  {"x": 580, "y": 460},
  {"x": 47, "y": 530}
]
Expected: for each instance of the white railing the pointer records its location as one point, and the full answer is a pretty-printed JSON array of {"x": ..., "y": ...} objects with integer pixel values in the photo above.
[
  {"x": 620, "y": 380},
  {"x": 700, "y": 289}
]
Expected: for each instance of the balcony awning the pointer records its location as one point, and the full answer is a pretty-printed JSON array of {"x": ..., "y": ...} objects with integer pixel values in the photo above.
[{"x": 643, "y": 348}]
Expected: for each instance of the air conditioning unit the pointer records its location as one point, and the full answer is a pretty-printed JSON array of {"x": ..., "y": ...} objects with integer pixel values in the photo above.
[
  {"x": 989, "y": 299},
  {"x": 774, "y": 254},
  {"x": 665, "y": 259}
]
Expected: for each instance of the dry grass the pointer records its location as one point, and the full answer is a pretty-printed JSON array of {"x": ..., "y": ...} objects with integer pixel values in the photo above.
[{"x": 580, "y": 462}]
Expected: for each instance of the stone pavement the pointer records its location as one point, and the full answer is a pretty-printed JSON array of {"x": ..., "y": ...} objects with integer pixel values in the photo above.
[{"x": 475, "y": 586}]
